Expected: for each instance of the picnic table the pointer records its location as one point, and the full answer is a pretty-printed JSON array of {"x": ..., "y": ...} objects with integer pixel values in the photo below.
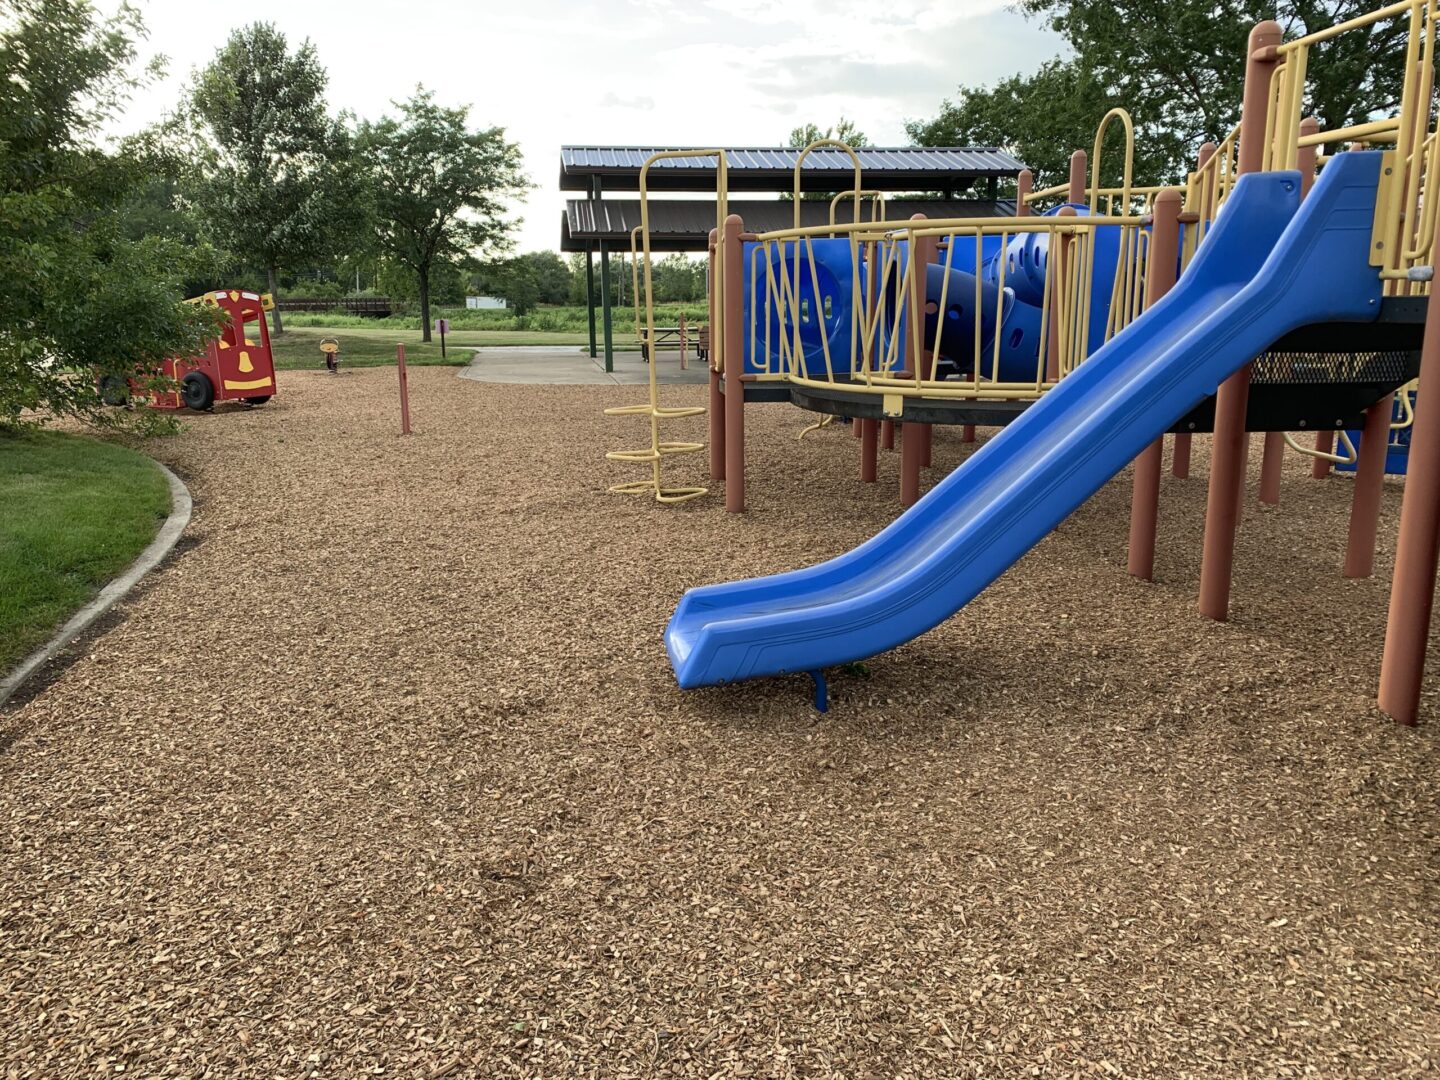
[{"x": 682, "y": 337}]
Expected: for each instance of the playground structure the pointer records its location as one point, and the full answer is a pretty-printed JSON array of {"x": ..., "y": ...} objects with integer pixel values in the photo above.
[
  {"x": 1302, "y": 304},
  {"x": 232, "y": 368}
]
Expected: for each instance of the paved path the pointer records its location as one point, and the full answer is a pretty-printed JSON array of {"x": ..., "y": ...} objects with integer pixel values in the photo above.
[{"x": 574, "y": 367}]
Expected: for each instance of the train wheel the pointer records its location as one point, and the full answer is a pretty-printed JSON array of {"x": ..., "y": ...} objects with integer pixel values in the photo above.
[
  {"x": 197, "y": 391},
  {"x": 257, "y": 400}
]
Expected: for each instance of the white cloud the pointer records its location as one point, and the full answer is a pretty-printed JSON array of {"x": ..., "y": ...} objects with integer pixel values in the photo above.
[{"x": 668, "y": 72}]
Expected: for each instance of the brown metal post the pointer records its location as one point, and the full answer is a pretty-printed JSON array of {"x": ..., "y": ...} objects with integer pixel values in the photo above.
[
  {"x": 1308, "y": 155},
  {"x": 1324, "y": 444},
  {"x": 1059, "y": 264},
  {"x": 717, "y": 399},
  {"x": 917, "y": 359},
  {"x": 887, "y": 434},
  {"x": 1180, "y": 456},
  {"x": 1227, "y": 467},
  {"x": 967, "y": 433},
  {"x": 869, "y": 443},
  {"x": 404, "y": 388},
  {"x": 1024, "y": 184},
  {"x": 683, "y": 341},
  {"x": 1412, "y": 589},
  {"x": 1272, "y": 464},
  {"x": 734, "y": 365},
  {"x": 1078, "y": 179},
  {"x": 1180, "y": 445},
  {"x": 1160, "y": 266},
  {"x": 1369, "y": 485}
]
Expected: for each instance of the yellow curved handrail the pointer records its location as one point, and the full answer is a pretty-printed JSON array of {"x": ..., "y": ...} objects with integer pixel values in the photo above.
[
  {"x": 1128, "y": 126},
  {"x": 1349, "y": 458}
]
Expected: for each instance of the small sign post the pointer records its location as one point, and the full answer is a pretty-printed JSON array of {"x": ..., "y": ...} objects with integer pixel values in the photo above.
[{"x": 442, "y": 326}]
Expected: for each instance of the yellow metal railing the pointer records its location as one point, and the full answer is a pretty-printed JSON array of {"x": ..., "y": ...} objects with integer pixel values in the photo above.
[
  {"x": 888, "y": 341},
  {"x": 1404, "y": 218}
]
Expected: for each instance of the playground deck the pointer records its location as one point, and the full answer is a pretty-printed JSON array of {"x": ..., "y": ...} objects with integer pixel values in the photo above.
[{"x": 388, "y": 768}]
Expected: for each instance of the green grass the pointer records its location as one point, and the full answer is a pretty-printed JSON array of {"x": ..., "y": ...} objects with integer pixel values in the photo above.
[
  {"x": 374, "y": 346},
  {"x": 543, "y": 320},
  {"x": 77, "y": 512}
]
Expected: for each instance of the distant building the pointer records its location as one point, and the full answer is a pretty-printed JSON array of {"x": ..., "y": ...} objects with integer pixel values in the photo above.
[{"x": 485, "y": 303}]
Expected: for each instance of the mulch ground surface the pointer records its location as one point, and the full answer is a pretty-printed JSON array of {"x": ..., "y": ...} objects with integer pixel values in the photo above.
[{"x": 385, "y": 772}]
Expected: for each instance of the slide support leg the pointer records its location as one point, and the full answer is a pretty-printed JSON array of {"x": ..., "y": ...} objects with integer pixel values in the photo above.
[
  {"x": 1369, "y": 485},
  {"x": 1325, "y": 443},
  {"x": 1180, "y": 456},
  {"x": 822, "y": 694},
  {"x": 1271, "y": 465},
  {"x": 869, "y": 444}
]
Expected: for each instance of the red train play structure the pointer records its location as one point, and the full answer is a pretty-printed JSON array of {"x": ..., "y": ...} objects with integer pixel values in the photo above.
[{"x": 232, "y": 368}]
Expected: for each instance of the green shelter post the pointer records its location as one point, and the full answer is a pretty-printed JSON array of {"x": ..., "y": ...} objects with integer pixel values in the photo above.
[
  {"x": 605, "y": 308},
  {"x": 590, "y": 293}
]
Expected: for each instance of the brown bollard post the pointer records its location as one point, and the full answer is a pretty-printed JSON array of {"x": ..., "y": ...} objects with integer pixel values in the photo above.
[
  {"x": 1024, "y": 184},
  {"x": 1412, "y": 588},
  {"x": 1369, "y": 486},
  {"x": 917, "y": 359},
  {"x": 1060, "y": 262},
  {"x": 1227, "y": 467},
  {"x": 1145, "y": 494},
  {"x": 404, "y": 389},
  {"x": 734, "y": 364},
  {"x": 716, "y": 399}
]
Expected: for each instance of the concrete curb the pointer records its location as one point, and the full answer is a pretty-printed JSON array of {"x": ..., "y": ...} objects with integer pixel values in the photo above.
[{"x": 165, "y": 539}]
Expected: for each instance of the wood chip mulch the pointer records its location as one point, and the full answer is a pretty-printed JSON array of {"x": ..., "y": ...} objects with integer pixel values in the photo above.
[{"x": 385, "y": 773}]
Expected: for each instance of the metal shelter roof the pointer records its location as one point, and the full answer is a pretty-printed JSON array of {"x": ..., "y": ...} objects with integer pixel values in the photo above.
[
  {"x": 684, "y": 225},
  {"x": 762, "y": 168}
]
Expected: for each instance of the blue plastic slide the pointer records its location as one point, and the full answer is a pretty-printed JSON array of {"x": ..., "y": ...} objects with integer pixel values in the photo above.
[{"x": 1268, "y": 266}]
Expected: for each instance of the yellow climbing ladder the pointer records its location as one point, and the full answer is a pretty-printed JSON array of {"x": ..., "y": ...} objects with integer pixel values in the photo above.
[{"x": 658, "y": 450}]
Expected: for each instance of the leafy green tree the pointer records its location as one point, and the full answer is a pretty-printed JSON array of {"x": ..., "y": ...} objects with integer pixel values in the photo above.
[
  {"x": 1178, "y": 67},
  {"x": 438, "y": 188},
  {"x": 1041, "y": 119},
  {"x": 79, "y": 298},
  {"x": 845, "y": 131},
  {"x": 273, "y": 178},
  {"x": 1182, "y": 66},
  {"x": 678, "y": 278},
  {"x": 515, "y": 281}
]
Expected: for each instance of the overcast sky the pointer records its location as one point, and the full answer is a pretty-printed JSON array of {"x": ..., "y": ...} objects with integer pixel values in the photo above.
[{"x": 631, "y": 72}]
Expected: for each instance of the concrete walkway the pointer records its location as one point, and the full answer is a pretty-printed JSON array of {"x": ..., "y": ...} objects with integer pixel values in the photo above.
[{"x": 573, "y": 367}]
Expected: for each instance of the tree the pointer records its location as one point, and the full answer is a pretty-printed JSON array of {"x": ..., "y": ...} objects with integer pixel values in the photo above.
[
  {"x": 1041, "y": 119},
  {"x": 1177, "y": 67},
  {"x": 677, "y": 278},
  {"x": 545, "y": 270},
  {"x": 515, "y": 281},
  {"x": 844, "y": 131},
  {"x": 438, "y": 187},
  {"x": 274, "y": 180},
  {"x": 78, "y": 298}
]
